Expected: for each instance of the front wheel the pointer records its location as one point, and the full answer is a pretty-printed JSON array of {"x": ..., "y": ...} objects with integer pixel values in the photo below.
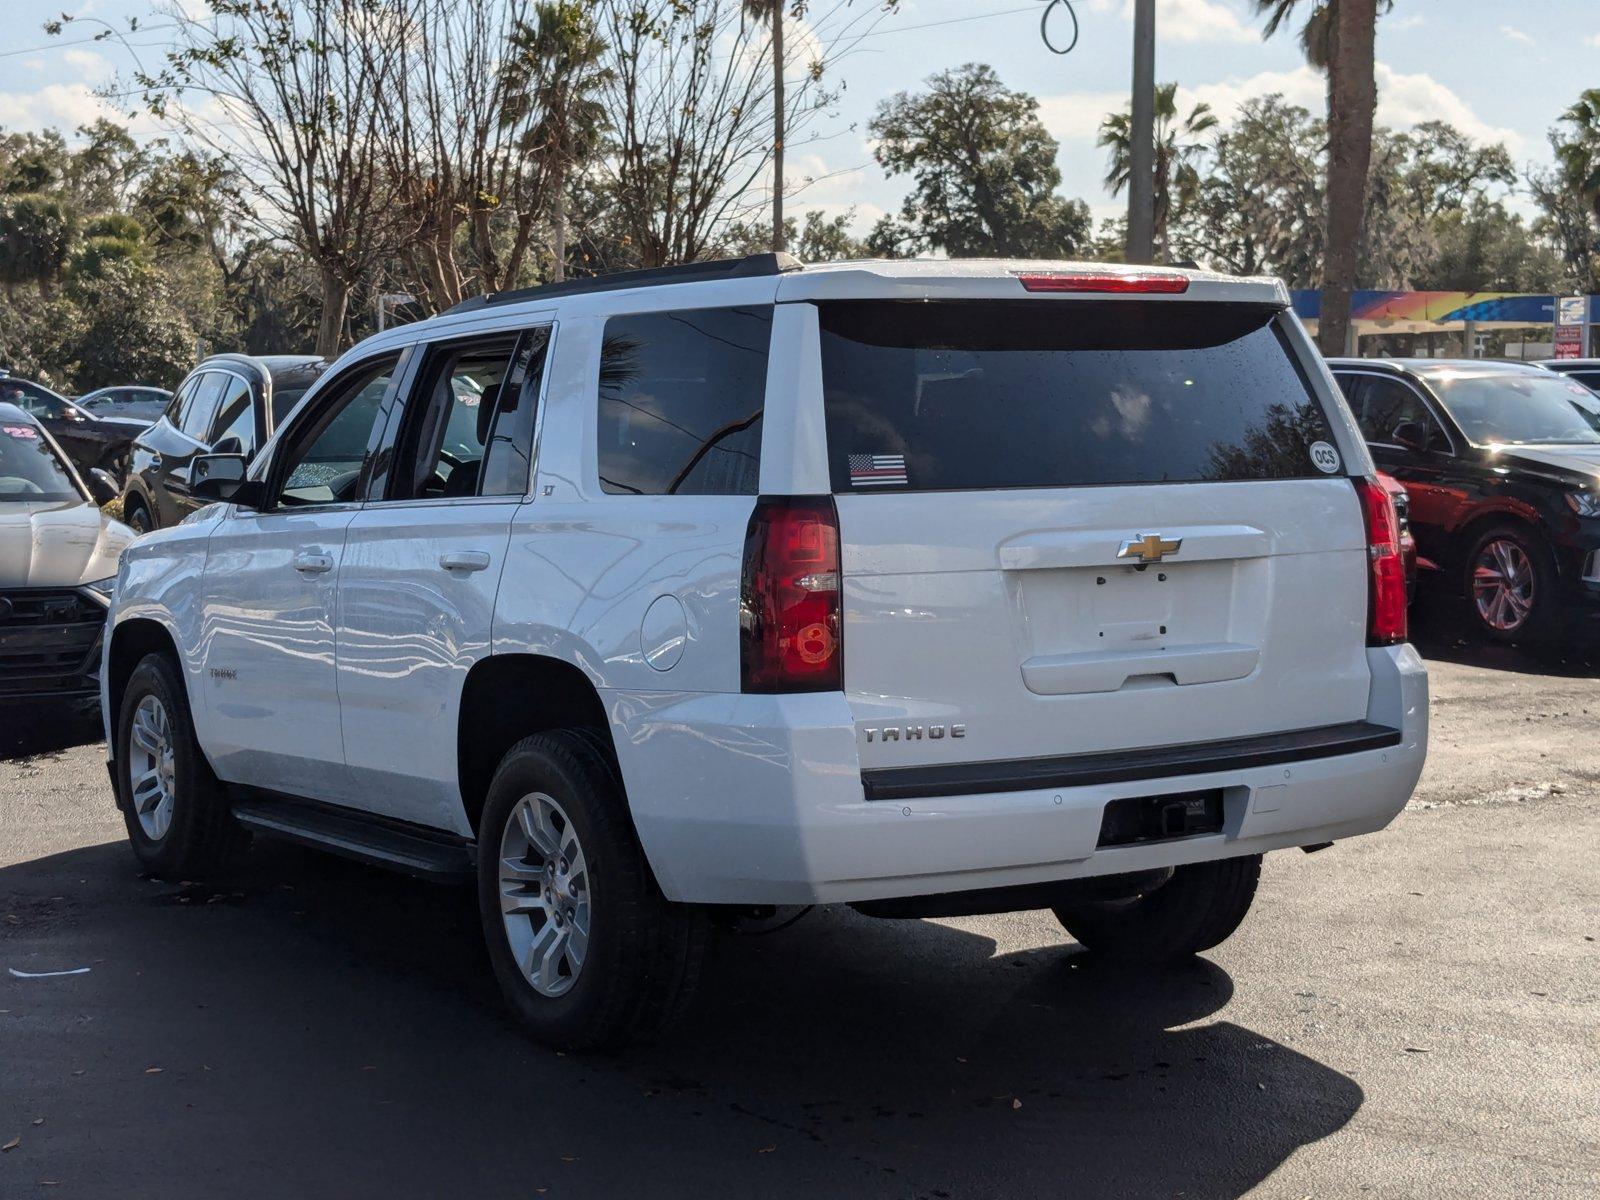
[
  {"x": 586, "y": 950},
  {"x": 137, "y": 517},
  {"x": 1509, "y": 581},
  {"x": 1197, "y": 908},
  {"x": 175, "y": 809}
]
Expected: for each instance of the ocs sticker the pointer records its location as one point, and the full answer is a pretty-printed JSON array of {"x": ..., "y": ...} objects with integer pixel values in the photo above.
[
  {"x": 23, "y": 433},
  {"x": 1324, "y": 458}
]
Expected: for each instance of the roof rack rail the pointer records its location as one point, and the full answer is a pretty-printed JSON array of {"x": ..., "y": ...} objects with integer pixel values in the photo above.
[{"x": 772, "y": 263}]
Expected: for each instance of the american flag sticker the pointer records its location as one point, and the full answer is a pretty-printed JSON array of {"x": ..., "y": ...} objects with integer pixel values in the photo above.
[{"x": 877, "y": 470}]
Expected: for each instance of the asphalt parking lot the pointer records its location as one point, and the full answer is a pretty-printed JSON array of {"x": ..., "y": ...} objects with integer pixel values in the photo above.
[{"x": 1411, "y": 1014}]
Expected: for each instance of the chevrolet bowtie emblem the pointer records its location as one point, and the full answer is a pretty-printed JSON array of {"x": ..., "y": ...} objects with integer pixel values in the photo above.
[{"x": 1149, "y": 547}]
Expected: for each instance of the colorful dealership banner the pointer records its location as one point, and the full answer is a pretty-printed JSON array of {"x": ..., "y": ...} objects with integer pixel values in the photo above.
[{"x": 1511, "y": 308}]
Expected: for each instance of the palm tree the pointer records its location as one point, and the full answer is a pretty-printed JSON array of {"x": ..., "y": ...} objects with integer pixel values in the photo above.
[
  {"x": 1178, "y": 146},
  {"x": 556, "y": 69},
  {"x": 1339, "y": 38},
  {"x": 770, "y": 12},
  {"x": 1580, "y": 157}
]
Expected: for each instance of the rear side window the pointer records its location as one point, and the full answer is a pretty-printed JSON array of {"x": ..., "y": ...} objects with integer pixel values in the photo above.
[
  {"x": 681, "y": 396},
  {"x": 954, "y": 395}
]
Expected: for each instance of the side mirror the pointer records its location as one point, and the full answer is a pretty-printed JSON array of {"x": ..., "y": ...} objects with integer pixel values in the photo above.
[
  {"x": 102, "y": 487},
  {"x": 216, "y": 477},
  {"x": 1411, "y": 435}
]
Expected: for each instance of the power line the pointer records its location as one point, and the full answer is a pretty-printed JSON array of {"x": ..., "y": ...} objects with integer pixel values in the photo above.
[{"x": 1006, "y": 12}]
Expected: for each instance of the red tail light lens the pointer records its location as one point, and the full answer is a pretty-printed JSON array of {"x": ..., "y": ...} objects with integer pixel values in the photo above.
[
  {"x": 1386, "y": 585},
  {"x": 1148, "y": 282},
  {"x": 789, "y": 623}
]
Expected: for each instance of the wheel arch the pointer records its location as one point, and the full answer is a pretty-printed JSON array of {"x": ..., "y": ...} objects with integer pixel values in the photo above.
[
  {"x": 505, "y": 698},
  {"x": 131, "y": 640},
  {"x": 1523, "y": 517}
]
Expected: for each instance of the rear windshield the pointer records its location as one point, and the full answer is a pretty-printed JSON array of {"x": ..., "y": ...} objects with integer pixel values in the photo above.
[{"x": 955, "y": 395}]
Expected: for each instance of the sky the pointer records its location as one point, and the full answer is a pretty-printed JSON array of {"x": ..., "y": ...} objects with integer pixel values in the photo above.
[{"x": 1501, "y": 70}]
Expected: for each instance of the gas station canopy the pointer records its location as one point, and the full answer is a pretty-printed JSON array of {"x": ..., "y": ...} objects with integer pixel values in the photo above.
[{"x": 1437, "y": 312}]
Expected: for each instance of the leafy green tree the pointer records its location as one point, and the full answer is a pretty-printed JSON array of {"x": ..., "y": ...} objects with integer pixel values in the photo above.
[
  {"x": 36, "y": 233},
  {"x": 131, "y": 329},
  {"x": 1180, "y": 144},
  {"x": 1259, "y": 209},
  {"x": 820, "y": 238},
  {"x": 983, "y": 170},
  {"x": 1569, "y": 195}
]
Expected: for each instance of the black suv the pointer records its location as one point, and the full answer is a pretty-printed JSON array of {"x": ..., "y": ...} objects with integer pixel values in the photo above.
[
  {"x": 229, "y": 404},
  {"x": 1502, "y": 464},
  {"x": 90, "y": 439}
]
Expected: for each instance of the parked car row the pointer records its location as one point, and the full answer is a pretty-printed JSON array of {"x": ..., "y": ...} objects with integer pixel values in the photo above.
[
  {"x": 97, "y": 430},
  {"x": 1501, "y": 463}
]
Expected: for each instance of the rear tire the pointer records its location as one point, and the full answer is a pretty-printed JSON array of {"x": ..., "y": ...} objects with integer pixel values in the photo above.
[
  {"x": 175, "y": 809},
  {"x": 587, "y": 951},
  {"x": 1198, "y": 908}
]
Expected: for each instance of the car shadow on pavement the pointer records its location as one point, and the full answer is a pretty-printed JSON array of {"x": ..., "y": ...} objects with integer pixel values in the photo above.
[
  {"x": 312, "y": 1026},
  {"x": 45, "y": 729},
  {"x": 1441, "y": 632}
]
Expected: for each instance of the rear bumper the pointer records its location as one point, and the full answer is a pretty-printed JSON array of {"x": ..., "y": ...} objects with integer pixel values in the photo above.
[{"x": 760, "y": 800}]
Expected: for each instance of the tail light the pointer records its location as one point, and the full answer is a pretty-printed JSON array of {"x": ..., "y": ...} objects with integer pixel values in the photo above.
[
  {"x": 789, "y": 623},
  {"x": 1160, "y": 283},
  {"x": 1386, "y": 581}
]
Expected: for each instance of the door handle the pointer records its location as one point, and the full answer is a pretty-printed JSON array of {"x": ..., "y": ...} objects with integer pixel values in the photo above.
[
  {"x": 313, "y": 564},
  {"x": 464, "y": 560}
]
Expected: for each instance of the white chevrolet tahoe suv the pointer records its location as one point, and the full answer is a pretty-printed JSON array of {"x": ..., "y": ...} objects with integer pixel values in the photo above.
[{"x": 932, "y": 588}]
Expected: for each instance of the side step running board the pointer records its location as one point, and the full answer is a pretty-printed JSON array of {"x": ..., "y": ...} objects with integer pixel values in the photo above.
[{"x": 412, "y": 850}]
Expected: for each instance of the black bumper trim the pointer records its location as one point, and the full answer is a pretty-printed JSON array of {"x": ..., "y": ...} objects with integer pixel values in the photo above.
[{"x": 1124, "y": 766}]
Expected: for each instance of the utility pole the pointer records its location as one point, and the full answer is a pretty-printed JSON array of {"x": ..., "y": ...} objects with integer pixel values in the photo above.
[{"x": 1142, "y": 137}]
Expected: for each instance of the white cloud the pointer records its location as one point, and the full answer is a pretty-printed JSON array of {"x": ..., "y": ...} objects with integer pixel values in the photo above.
[
  {"x": 87, "y": 66},
  {"x": 1078, "y": 114},
  {"x": 1404, "y": 100},
  {"x": 1592, "y": 40},
  {"x": 1302, "y": 85},
  {"x": 62, "y": 106},
  {"x": 1403, "y": 23},
  {"x": 1189, "y": 20},
  {"x": 1516, "y": 35}
]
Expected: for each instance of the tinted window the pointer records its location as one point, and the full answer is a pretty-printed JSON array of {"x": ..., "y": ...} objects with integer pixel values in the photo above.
[
  {"x": 956, "y": 395},
  {"x": 234, "y": 429},
  {"x": 1589, "y": 379},
  {"x": 29, "y": 469},
  {"x": 447, "y": 420},
  {"x": 201, "y": 405},
  {"x": 509, "y": 458},
  {"x": 1510, "y": 409},
  {"x": 323, "y": 464},
  {"x": 31, "y": 398},
  {"x": 1383, "y": 405},
  {"x": 681, "y": 395}
]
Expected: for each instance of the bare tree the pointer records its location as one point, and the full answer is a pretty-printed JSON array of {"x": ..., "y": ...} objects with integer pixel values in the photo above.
[
  {"x": 686, "y": 100},
  {"x": 291, "y": 95}
]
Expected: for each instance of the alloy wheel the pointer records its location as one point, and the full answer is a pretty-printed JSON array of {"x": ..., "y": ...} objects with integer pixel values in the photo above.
[
  {"x": 1502, "y": 585},
  {"x": 152, "y": 767},
  {"x": 544, "y": 894}
]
